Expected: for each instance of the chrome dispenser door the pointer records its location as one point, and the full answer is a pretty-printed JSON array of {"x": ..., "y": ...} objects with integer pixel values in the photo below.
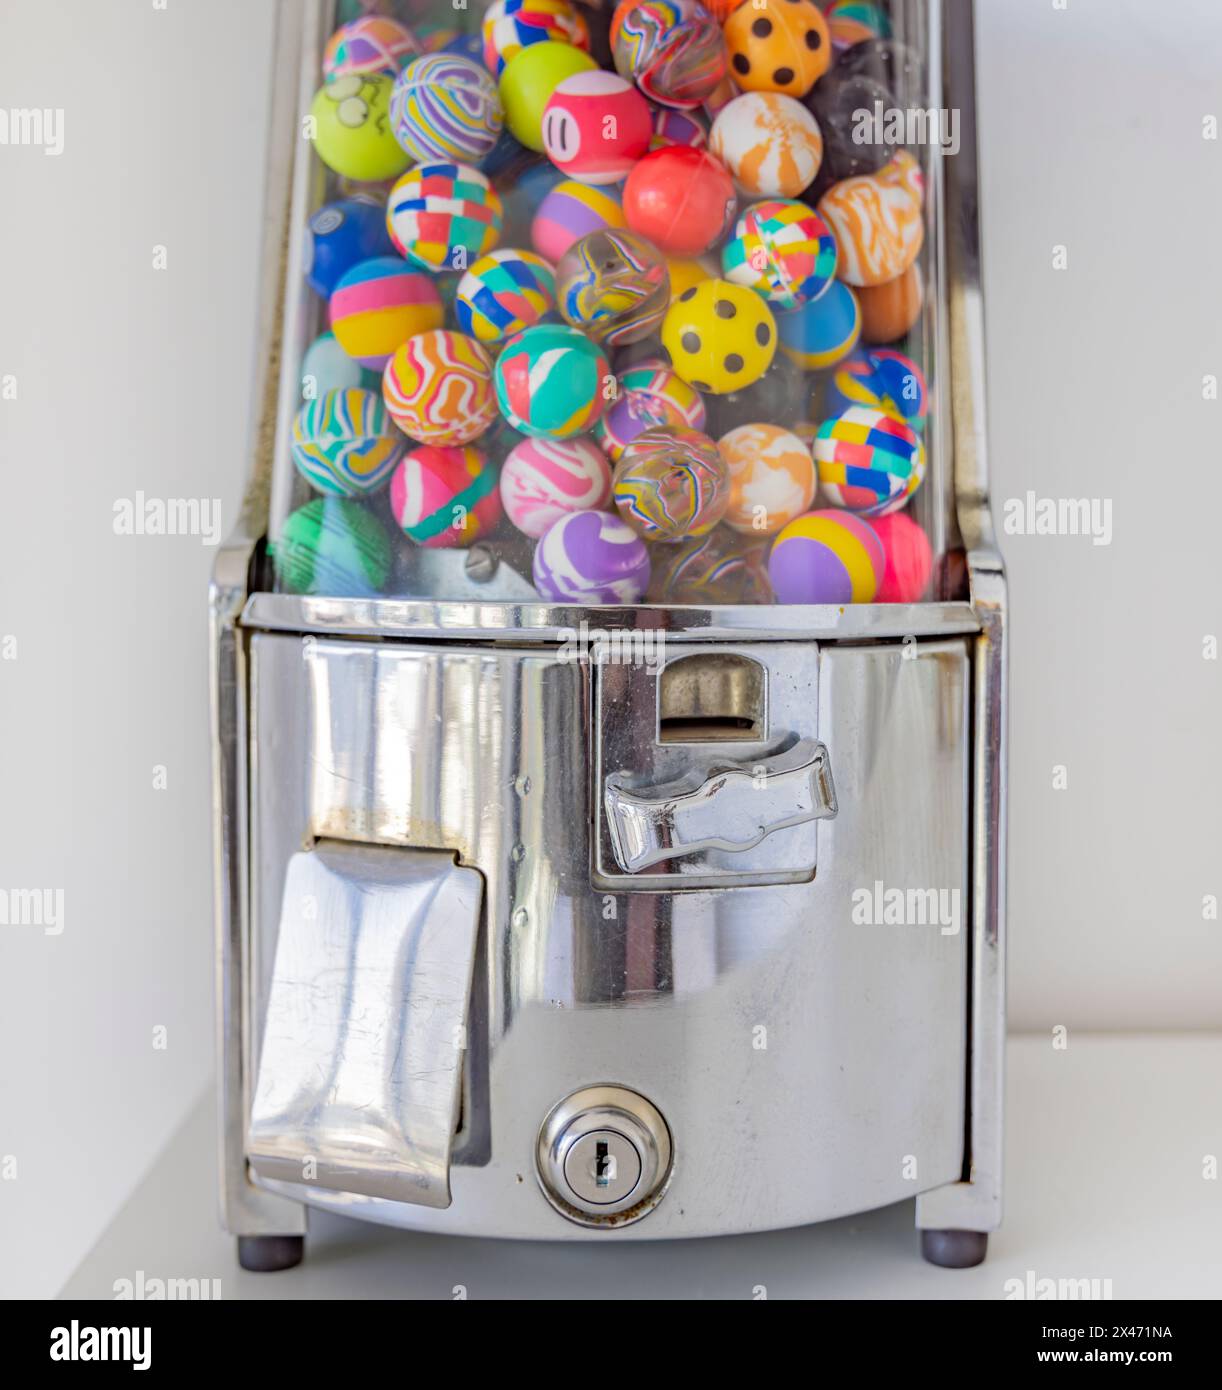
[{"x": 360, "y": 1071}]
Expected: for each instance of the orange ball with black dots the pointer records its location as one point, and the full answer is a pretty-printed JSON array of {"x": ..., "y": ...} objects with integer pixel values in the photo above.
[{"x": 777, "y": 46}]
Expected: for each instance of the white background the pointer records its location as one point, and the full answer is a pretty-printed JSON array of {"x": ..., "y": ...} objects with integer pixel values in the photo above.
[{"x": 131, "y": 378}]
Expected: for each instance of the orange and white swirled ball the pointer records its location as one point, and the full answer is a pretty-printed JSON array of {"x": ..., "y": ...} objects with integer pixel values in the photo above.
[
  {"x": 877, "y": 220},
  {"x": 772, "y": 477},
  {"x": 770, "y": 143},
  {"x": 438, "y": 388}
]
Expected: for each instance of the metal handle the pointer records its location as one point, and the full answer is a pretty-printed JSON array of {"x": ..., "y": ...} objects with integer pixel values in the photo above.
[{"x": 731, "y": 807}]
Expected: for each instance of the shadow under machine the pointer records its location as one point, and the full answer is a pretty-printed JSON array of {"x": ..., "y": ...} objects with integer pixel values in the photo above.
[{"x": 552, "y": 920}]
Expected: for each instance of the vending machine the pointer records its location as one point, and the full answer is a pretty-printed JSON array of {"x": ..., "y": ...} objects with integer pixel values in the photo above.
[{"x": 609, "y": 665}]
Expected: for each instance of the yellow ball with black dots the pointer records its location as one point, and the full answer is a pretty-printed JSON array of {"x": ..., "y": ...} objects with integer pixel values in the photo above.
[{"x": 720, "y": 336}]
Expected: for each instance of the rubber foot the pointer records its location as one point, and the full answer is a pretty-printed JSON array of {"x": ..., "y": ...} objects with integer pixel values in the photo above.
[
  {"x": 270, "y": 1254},
  {"x": 955, "y": 1249}
]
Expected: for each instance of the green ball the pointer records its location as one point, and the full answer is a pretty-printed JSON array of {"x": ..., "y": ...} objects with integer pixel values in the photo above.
[
  {"x": 333, "y": 547},
  {"x": 352, "y": 133},
  {"x": 529, "y": 78}
]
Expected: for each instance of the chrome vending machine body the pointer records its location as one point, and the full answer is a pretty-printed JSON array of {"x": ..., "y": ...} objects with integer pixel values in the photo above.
[{"x": 611, "y": 923}]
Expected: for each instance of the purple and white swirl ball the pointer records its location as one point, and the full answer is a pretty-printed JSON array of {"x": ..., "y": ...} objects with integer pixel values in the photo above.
[{"x": 591, "y": 557}]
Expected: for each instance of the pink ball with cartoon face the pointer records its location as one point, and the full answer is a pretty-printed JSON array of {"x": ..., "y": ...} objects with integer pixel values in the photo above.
[
  {"x": 544, "y": 479},
  {"x": 596, "y": 126}
]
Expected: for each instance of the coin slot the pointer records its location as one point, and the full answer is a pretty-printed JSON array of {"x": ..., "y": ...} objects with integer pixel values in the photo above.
[{"x": 713, "y": 698}]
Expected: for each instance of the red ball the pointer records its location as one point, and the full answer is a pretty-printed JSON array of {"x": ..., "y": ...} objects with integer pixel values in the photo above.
[
  {"x": 596, "y": 126},
  {"x": 681, "y": 199},
  {"x": 908, "y": 558}
]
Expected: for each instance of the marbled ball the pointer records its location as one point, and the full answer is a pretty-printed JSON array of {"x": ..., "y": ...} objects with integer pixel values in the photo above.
[
  {"x": 438, "y": 388},
  {"x": 372, "y": 43},
  {"x": 646, "y": 394},
  {"x": 344, "y": 442},
  {"x": 614, "y": 285},
  {"x": 721, "y": 566},
  {"x": 782, "y": 47},
  {"x": 340, "y": 235},
  {"x": 826, "y": 557},
  {"x": 822, "y": 331},
  {"x": 877, "y": 220},
  {"x": 772, "y": 478},
  {"x": 445, "y": 107},
  {"x": 869, "y": 462},
  {"x": 511, "y": 25},
  {"x": 443, "y": 216},
  {"x": 549, "y": 381},
  {"x": 445, "y": 496},
  {"x": 770, "y": 143},
  {"x": 570, "y": 211},
  {"x": 378, "y": 305},
  {"x": 503, "y": 293},
  {"x": 672, "y": 49},
  {"x": 596, "y": 126},
  {"x": 544, "y": 479},
  {"x": 591, "y": 557},
  {"x": 352, "y": 133},
  {"x": 719, "y": 337},
  {"x": 783, "y": 250},
  {"x": 671, "y": 483}
]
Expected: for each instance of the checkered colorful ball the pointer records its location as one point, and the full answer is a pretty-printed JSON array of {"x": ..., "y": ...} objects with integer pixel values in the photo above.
[
  {"x": 503, "y": 293},
  {"x": 783, "y": 250},
  {"x": 868, "y": 461},
  {"x": 444, "y": 216},
  {"x": 511, "y": 25}
]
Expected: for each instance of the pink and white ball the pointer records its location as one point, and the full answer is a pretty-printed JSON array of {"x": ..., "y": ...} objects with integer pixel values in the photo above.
[
  {"x": 596, "y": 126},
  {"x": 445, "y": 496},
  {"x": 545, "y": 479},
  {"x": 591, "y": 558}
]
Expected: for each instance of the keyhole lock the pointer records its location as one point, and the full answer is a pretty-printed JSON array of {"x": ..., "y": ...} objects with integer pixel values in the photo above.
[{"x": 604, "y": 1156}]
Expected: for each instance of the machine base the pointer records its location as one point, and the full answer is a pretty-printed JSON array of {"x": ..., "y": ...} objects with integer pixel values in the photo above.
[
  {"x": 954, "y": 1249},
  {"x": 270, "y": 1254}
]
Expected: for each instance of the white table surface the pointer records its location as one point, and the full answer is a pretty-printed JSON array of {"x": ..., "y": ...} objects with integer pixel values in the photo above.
[{"x": 1106, "y": 1142}]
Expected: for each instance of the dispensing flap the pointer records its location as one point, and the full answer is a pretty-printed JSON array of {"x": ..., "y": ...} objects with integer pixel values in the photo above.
[{"x": 361, "y": 1068}]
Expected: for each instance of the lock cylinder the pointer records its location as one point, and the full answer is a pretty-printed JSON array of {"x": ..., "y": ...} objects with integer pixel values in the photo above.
[{"x": 604, "y": 1156}]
